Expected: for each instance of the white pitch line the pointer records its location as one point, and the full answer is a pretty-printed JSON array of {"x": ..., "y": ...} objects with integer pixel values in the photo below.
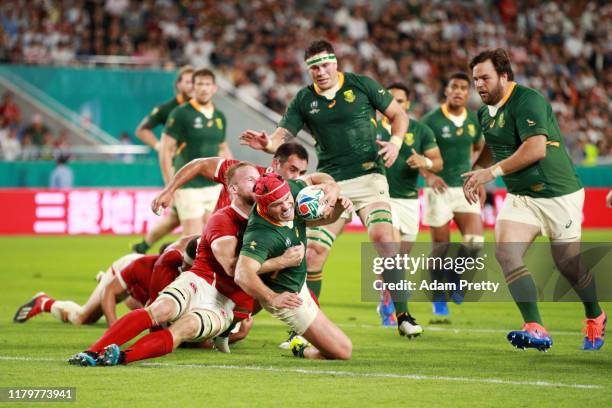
[{"x": 417, "y": 377}]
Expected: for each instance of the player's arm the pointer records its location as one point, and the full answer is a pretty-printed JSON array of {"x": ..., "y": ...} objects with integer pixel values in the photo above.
[
  {"x": 225, "y": 152},
  {"x": 206, "y": 168},
  {"x": 261, "y": 141},
  {"x": 144, "y": 132},
  {"x": 291, "y": 257},
  {"x": 530, "y": 151},
  {"x": 343, "y": 204},
  {"x": 330, "y": 188},
  {"x": 110, "y": 294},
  {"x": 166, "y": 154},
  {"x": 399, "y": 125},
  {"x": 247, "y": 278},
  {"x": 477, "y": 149}
]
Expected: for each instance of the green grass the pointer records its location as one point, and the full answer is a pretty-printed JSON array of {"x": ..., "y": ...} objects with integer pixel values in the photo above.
[{"x": 451, "y": 366}]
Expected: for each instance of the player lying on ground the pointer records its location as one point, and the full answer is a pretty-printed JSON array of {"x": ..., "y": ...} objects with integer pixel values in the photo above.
[
  {"x": 195, "y": 308},
  {"x": 545, "y": 196},
  {"x": 273, "y": 227},
  {"x": 126, "y": 279}
]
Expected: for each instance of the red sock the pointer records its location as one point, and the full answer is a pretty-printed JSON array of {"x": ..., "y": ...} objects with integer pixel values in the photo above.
[
  {"x": 152, "y": 345},
  {"x": 124, "y": 330},
  {"x": 46, "y": 304}
]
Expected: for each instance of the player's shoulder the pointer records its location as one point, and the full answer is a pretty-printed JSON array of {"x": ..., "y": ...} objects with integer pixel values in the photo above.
[
  {"x": 524, "y": 93},
  {"x": 473, "y": 115},
  {"x": 219, "y": 113},
  {"x": 431, "y": 115}
]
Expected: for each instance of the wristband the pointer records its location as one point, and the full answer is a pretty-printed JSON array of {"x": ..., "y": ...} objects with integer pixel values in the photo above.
[
  {"x": 428, "y": 163},
  {"x": 157, "y": 146},
  {"x": 268, "y": 147},
  {"x": 397, "y": 140},
  {"x": 497, "y": 171}
]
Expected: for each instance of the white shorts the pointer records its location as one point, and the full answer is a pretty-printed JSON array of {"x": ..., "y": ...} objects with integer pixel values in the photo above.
[
  {"x": 195, "y": 202},
  {"x": 559, "y": 218},
  {"x": 300, "y": 318},
  {"x": 115, "y": 269},
  {"x": 192, "y": 294},
  {"x": 441, "y": 207},
  {"x": 405, "y": 214},
  {"x": 365, "y": 190}
]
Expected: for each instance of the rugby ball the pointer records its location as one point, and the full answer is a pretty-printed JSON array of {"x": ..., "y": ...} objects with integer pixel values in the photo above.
[{"x": 307, "y": 203}]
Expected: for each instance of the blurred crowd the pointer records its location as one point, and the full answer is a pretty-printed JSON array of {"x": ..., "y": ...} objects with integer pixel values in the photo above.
[
  {"x": 27, "y": 138},
  {"x": 562, "y": 48}
]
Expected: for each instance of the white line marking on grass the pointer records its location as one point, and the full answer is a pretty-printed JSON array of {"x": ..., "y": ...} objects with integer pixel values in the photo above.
[{"x": 418, "y": 377}]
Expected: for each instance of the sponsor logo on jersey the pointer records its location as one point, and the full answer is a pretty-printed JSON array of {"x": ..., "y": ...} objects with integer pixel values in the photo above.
[
  {"x": 314, "y": 107},
  {"x": 313, "y": 111},
  {"x": 332, "y": 104},
  {"x": 219, "y": 123},
  {"x": 198, "y": 123},
  {"x": 193, "y": 287},
  {"x": 569, "y": 224},
  {"x": 492, "y": 124},
  {"x": 252, "y": 245},
  {"x": 409, "y": 139},
  {"x": 446, "y": 132},
  {"x": 502, "y": 121},
  {"x": 368, "y": 165},
  {"x": 537, "y": 187},
  {"x": 530, "y": 122},
  {"x": 210, "y": 123},
  {"x": 287, "y": 242},
  {"x": 382, "y": 91},
  {"x": 471, "y": 129},
  {"x": 349, "y": 96},
  {"x": 459, "y": 131}
]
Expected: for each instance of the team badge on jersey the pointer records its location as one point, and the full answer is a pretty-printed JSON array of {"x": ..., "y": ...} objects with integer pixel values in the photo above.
[
  {"x": 349, "y": 96},
  {"x": 471, "y": 129},
  {"x": 530, "y": 122},
  {"x": 219, "y": 123},
  {"x": 409, "y": 139},
  {"x": 502, "y": 121},
  {"x": 446, "y": 132},
  {"x": 252, "y": 245},
  {"x": 198, "y": 123}
]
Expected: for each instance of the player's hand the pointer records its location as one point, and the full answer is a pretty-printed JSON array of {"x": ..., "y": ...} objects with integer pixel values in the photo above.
[
  {"x": 331, "y": 192},
  {"x": 388, "y": 151},
  {"x": 437, "y": 183},
  {"x": 346, "y": 204},
  {"x": 255, "y": 140},
  {"x": 472, "y": 180},
  {"x": 416, "y": 161},
  {"x": 609, "y": 199},
  {"x": 293, "y": 256},
  {"x": 287, "y": 300},
  {"x": 161, "y": 202}
]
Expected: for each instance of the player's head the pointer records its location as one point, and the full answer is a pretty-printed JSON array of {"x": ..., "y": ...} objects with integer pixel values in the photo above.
[
  {"x": 163, "y": 247},
  {"x": 492, "y": 72},
  {"x": 290, "y": 160},
  {"x": 322, "y": 64},
  {"x": 273, "y": 197},
  {"x": 204, "y": 85},
  {"x": 191, "y": 251},
  {"x": 457, "y": 90},
  {"x": 183, "y": 84},
  {"x": 401, "y": 94},
  {"x": 240, "y": 180}
]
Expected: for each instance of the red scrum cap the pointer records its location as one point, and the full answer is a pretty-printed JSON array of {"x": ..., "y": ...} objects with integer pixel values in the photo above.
[{"x": 269, "y": 188}]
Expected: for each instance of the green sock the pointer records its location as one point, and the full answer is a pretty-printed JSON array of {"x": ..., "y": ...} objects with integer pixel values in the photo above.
[
  {"x": 585, "y": 288},
  {"x": 142, "y": 247},
  {"x": 523, "y": 290},
  {"x": 314, "y": 281},
  {"x": 400, "y": 307}
]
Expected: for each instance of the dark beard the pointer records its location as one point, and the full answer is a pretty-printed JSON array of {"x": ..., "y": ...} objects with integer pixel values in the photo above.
[{"x": 495, "y": 95}]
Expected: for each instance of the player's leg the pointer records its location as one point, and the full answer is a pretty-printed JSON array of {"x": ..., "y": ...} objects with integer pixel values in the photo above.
[
  {"x": 472, "y": 232},
  {"x": 164, "y": 227},
  {"x": 318, "y": 246},
  {"x": 63, "y": 310},
  {"x": 438, "y": 213},
  {"x": 326, "y": 340},
  {"x": 516, "y": 228}
]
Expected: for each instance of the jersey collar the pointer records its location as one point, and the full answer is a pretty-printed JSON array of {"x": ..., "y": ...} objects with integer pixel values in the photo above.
[
  {"x": 445, "y": 112},
  {"x": 180, "y": 99},
  {"x": 339, "y": 85},
  {"x": 199, "y": 107},
  {"x": 239, "y": 211},
  {"x": 493, "y": 109}
]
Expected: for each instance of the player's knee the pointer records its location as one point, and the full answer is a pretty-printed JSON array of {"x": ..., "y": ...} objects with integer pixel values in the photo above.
[
  {"x": 186, "y": 327},
  {"x": 507, "y": 257},
  {"x": 345, "y": 350},
  {"x": 162, "y": 310}
]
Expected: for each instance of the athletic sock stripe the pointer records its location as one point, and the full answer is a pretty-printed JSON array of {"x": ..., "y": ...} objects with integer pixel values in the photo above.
[
  {"x": 314, "y": 279},
  {"x": 326, "y": 232},
  {"x": 516, "y": 272},
  {"x": 517, "y": 277},
  {"x": 201, "y": 324},
  {"x": 381, "y": 211},
  {"x": 387, "y": 220},
  {"x": 321, "y": 240}
]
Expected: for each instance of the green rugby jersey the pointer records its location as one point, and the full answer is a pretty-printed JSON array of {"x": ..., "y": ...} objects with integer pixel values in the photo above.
[
  {"x": 455, "y": 142},
  {"x": 401, "y": 178},
  {"x": 524, "y": 113},
  {"x": 265, "y": 239},
  {"x": 196, "y": 137},
  {"x": 159, "y": 114},
  {"x": 344, "y": 127}
]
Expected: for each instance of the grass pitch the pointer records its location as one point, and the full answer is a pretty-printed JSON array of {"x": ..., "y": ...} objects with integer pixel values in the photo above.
[{"x": 467, "y": 363}]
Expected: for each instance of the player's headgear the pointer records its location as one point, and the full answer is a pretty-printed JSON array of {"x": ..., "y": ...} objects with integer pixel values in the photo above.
[
  {"x": 191, "y": 251},
  {"x": 270, "y": 187}
]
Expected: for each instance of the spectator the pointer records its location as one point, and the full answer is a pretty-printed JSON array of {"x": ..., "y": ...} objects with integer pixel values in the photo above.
[
  {"x": 9, "y": 111},
  {"x": 37, "y": 130},
  {"x": 9, "y": 144},
  {"x": 62, "y": 176}
]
